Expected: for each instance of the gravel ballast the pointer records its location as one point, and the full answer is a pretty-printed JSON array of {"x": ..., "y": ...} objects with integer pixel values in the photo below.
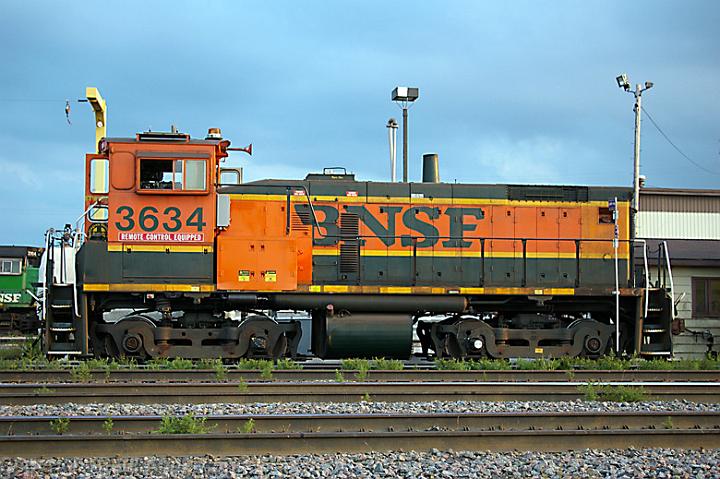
[
  {"x": 363, "y": 407},
  {"x": 631, "y": 463}
]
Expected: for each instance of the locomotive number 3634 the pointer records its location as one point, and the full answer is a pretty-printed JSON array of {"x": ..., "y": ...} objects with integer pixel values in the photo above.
[{"x": 149, "y": 218}]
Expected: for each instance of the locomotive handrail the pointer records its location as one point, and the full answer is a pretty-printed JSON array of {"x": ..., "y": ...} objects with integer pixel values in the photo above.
[
  {"x": 413, "y": 240},
  {"x": 647, "y": 274},
  {"x": 672, "y": 286}
]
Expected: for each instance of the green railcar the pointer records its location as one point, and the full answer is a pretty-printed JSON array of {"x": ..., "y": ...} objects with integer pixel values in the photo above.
[{"x": 19, "y": 267}]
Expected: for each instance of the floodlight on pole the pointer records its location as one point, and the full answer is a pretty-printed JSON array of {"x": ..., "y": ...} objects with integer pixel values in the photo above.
[
  {"x": 404, "y": 96},
  {"x": 624, "y": 83}
]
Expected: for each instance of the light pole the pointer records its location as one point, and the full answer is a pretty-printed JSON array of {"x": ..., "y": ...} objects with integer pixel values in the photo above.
[
  {"x": 622, "y": 81},
  {"x": 392, "y": 140},
  {"x": 404, "y": 96}
]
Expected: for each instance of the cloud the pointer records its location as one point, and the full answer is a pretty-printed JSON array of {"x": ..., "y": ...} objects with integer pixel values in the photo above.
[
  {"x": 13, "y": 172},
  {"x": 529, "y": 160}
]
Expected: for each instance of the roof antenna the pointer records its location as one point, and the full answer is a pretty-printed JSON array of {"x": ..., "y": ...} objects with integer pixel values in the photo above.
[{"x": 67, "y": 111}]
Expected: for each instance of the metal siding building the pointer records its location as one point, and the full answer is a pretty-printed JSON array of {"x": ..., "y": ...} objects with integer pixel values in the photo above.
[
  {"x": 690, "y": 221},
  {"x": 679, "y": 214}
]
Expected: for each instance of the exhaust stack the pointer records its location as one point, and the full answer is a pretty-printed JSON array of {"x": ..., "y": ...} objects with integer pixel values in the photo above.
[{"x": 431, "y": 168}]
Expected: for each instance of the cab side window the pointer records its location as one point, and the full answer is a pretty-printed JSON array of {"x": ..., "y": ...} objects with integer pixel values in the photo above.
[
  {"x": 10, "y": 266},
  {"x": 156, "y": 174},
  {"x": 173, "y": 175}
]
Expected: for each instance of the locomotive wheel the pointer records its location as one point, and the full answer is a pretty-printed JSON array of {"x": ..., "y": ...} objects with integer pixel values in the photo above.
[
  {"x": 452, "y": 348},
  {"x": 264, "y": 339},
  {"x": 127, "y": 337}
]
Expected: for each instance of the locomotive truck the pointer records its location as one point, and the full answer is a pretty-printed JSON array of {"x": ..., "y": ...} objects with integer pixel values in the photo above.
[{"x": 199, "y": 264}]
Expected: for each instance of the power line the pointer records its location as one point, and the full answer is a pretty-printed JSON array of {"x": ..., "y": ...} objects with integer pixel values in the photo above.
[
  {"x": 29, "y": 100},
  {"x": 676, "y": 147}
]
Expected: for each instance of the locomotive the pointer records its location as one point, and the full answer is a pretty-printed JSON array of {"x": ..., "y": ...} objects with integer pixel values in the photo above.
[
  {"x": 197, "y": 264},
  {"x": 18, "y": 282}
]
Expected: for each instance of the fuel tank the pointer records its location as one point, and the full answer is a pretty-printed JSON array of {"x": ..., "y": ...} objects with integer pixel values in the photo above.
[{"x": 362, "y": 335}]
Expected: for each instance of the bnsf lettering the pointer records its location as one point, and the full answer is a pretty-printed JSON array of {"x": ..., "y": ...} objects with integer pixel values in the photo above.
[
  {"x": 9, "y": 297},
  {"x": 420, "y": 220}
]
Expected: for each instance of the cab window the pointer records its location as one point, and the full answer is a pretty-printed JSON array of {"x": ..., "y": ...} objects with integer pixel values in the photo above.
[
  {"x": 173, "y": 175},
  {"x": 10, "y": 266}
]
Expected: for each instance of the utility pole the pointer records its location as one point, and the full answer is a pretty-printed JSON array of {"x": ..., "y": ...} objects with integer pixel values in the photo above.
[
  {"x": 622, "y": 81},
  {"x": 404, "y": 96},
  {"x": 405, "y": 143},
  {"x": 392, "y": 140}
]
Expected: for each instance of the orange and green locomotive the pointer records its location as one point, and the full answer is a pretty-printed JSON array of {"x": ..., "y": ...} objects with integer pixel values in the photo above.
[
  {"x": 178, "y": 258},
  {"x": 19, "y": 266}
]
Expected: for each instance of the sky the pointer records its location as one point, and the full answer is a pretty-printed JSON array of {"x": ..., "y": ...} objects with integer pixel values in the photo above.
[{"x": 510, "y": 92}]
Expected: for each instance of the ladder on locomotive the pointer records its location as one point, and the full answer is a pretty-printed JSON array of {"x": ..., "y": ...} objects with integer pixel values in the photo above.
[
  {"x": 64, "y": 332},
  {"x": 654, "y": 322}
]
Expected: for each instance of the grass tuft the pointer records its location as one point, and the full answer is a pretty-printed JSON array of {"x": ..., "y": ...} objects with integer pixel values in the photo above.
[
  {"x": 387, "y": 364},
  {"x": 108, "y": 425},
  {"x": 60, "y": 425},
  {"x": 598, "y": 392},
  {"x": 188, "y": 424},
  {"x": 247, "y": 427}
]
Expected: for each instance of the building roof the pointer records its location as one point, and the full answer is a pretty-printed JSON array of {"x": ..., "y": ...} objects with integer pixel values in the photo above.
[
  {"x": 678, "y": 192},
  {"x": 700, "y": 253}
]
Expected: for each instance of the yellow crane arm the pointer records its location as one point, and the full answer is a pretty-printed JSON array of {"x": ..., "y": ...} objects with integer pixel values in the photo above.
[{"x": 100, "y": 108}]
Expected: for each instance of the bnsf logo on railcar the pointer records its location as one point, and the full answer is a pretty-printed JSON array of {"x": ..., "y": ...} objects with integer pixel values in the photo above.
[
  {"x": 10, "y": 297},
  {"x": 433, "y": 225}
]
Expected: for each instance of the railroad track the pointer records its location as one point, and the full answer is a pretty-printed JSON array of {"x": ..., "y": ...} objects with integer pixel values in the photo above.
[
  {"x": 189, "y": 375},
  {"x": 278, "y": 391},
  {"x": 29, "y": 437}
]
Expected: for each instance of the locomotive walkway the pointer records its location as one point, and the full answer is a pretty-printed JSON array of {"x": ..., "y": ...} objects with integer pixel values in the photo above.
[
  {"x": 29, "y": 437},
  {"x": 281, "y": 391}
]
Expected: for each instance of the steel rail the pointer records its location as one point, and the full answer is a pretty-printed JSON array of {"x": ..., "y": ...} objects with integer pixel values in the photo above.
[
  {"x": 352, "y": 442},
  {"x": 208, "y": 375},
  {"x": 265, "y": 423},
  {"x": 203, "y": 393}
]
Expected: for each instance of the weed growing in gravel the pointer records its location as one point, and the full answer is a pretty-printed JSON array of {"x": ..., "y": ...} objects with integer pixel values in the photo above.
[
  {"x": 242, "y": 385},
  {"x": 217, "y": 366},
  {"x": 598, "y": 392},
  {"x": 361, "y": 374},
  {"x": 253, "y": 364},
  {"x": 355, "y": 364},
  {"x": 14, "y": 353},
  {"x": 366, "y": 397},
  {"x": 165, "y": 363},
  {"x": 108, "y": 425},
  {"x": 285, "y": 363},
  {"x": 452, "y": 364},
  {"x": 485, "y": 364},
  {"x": 339, "y": 378},
  {"x": 104, "y": 364},
  {"x": 32, "y": 351},
  {"x": 247, "y": 427},
  {"x": 266, "y": 371},
  {"x": 126, "y": 362},
  {"x": 157, "y": 363},
  {"x": 60, "y": 425},
  {"x": 188, "y": 424},
  {"x": 43, "y": 391},
  {"x": 81, "y": 373},
  {"x": 180, "y": 363},
  {"x": 387, "y": 364},
  {"x": 668, "y": 423}
]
